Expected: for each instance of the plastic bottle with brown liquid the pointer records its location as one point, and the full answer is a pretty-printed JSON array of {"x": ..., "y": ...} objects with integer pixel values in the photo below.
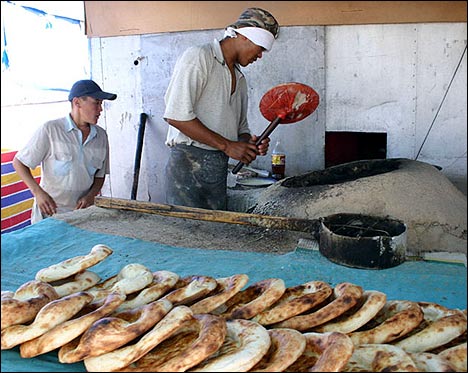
[{"x": 278, "y": 161}]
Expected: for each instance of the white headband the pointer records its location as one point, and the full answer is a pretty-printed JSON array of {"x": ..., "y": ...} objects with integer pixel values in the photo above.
[{"x": 256, "y": 35}]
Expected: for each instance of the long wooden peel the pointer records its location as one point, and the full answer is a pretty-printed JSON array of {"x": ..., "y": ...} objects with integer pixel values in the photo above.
[{"x": 231, "y": 217}]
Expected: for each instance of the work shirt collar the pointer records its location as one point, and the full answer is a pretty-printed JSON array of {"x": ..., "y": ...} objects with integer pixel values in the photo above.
[{"x": 70, "y": 125}]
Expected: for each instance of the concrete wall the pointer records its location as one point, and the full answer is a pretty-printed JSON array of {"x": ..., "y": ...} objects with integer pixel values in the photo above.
[{"x": 408, "y": 80}]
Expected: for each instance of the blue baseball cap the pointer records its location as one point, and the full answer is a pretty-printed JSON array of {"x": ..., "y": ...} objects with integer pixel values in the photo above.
[{"x": 91, "y": 89}]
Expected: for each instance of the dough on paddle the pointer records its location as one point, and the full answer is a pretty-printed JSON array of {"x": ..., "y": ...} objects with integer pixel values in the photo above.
[
  {"x": 114, "y": 331},
  {"x": 253, "y": 300},
  {"x": 294, "y": 301},
  {"x": 22, "y": 306},
  {"x": 124, "y": 356},
  {"x": 324, "y": 352},
  {"x": 195, "y": 341},
  {"x": 227, "y": 288},
  {"x": 285, "y": 348},
  {"x": 245, "y": 345},
  {"x": 346, "y": 295},
  {"x": 71, "y": 266}
]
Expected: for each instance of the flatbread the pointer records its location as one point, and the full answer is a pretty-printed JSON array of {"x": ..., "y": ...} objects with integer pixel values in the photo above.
[
  {"x": 195, "y": 341},
  {"x": 71, "y": 266},
  {"x": 346, "y": 295},
  {"x": 78, "y": 282},
  {"x": 163, "y": 282},
  {"x": 22, "y": 306},
  {"x": 51, "y": 315},
  {"x": 294, "y": 301},
  {"x": 190, "y": 289},
  {"x": 254, "y": 299},
  {"x": 441, "y": 325},
  {"x": 427, "y": 362},
  {"x": 245, "y": 344},
  {"x": 69, "y": 330},
  {"x": 396, "y": 319},
  {"x": 456, "y": 356},
  {"x": 285, "y": 348},
  {"x": 324, "y": 352},
  {"x": 379, "y": 358},
  {"x": 112, "y": 332},
  {"x": 370, "y": 304},
  {"x": 227, "y": 288},
  {"x": 124, "y": 356}
]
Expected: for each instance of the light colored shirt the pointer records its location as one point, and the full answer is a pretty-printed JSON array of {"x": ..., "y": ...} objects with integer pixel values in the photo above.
[
  {"x": 68, "y": 167},
  {"x": 200, "y": 87}
]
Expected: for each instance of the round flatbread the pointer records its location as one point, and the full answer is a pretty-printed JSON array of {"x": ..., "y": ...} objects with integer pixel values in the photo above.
[
  {"x": 22, "y": 306},
  {"x": 440, "y": 326},
  {"x": 396, "y": 319},
  {"x": 190, "y": 289},
  {"x": 380, "y": 358},
  {"x": 294, "y": 301},
  {"x": 51, "y": 315},
  {"x": 456, "y": 356},
  {"x": 324, "y": 352},
  {"x": 370, "y": 304},
  {"x": 253, "y": 300},
  {"x": 69, "y": 330},
  {"x": 227, "y": 288},
  {"x": 195, "y": 341},
  {"x": 163, "y": 282},
  {"x": 346, "y": 295},
  {"x": 71, "y": 266},
  {"x": 78, "y": 282},
  {"x": 285, "y": 348},
  {"x": 124, "y": 356},
  {"x": 112, "y": 332},
  {"x": 245, "y": 344},
  {"x": 427, "y": 362}
]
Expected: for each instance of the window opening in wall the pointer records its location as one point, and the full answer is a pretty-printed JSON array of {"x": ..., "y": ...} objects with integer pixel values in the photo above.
[{"x": 344, "y": 147}]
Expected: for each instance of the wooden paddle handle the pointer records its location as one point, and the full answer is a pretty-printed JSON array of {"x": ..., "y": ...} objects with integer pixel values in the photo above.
[{"x": 274, "y": 123}]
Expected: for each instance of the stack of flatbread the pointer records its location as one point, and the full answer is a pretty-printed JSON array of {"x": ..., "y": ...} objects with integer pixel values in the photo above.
[{"x": 144, "y": 321}]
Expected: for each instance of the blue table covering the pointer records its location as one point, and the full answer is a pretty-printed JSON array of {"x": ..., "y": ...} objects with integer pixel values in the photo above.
[{"x": 26, "y": 251}]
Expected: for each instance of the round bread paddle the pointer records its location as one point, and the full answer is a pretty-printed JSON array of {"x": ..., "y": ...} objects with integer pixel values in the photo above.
[{"x": 285, "y": 103}]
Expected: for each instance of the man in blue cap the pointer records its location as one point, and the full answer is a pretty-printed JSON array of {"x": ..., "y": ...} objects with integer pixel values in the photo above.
[{"x": 73, "y": 153}]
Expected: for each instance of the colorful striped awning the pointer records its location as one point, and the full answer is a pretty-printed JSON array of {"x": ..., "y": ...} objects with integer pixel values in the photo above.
[{"x": 17, "y": 199}]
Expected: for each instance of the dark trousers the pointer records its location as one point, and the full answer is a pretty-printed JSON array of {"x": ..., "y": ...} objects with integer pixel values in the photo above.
[{"x": 196, "y": 177}]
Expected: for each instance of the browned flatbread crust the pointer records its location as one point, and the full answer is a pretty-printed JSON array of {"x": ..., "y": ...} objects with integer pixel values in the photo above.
[
  {"x": 324, "y": 352},
  {"x": 112, "y": 332},
  {"x": 396, "y": 319},
  {"x": 370, "y": 304},
  {"x": 245, "y": 344},
  {"x": 440, "y": 326},
  {"x": 195, "y": 341},
  {"x": 254, "y": 299},
  {"x": 190, "y": 289},
  {"x": 69, "y": 330},
  {"x": 346, "y": 295},
  {"x": 427, "y": 362},
  {"x": 379, "y": 358},
  {"x": 286, "y": 347},
  {"x": 51, "y": 315},
  {"x": 227, "y": 288},
  {"x": 163, "y": 282},
  {"x": 71, "y": 266},
  {"x": 456, "y": 356},
  {"x": 294, "y": 301},
  {"x": 22, "y": 306},
  {"x": 80, "y": 281},
  {"x": 124, "y": 356}
]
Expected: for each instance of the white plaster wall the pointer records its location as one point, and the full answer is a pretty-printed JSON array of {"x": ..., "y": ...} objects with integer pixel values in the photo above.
[{"x": 370, "y": 78}]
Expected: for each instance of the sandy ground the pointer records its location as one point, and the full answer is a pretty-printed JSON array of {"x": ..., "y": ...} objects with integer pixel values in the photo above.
[{"x": 184, "y": 232}]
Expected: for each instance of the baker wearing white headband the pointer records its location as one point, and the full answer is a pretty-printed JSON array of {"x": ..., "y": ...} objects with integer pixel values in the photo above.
[{"x": 257, "y": 25}]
